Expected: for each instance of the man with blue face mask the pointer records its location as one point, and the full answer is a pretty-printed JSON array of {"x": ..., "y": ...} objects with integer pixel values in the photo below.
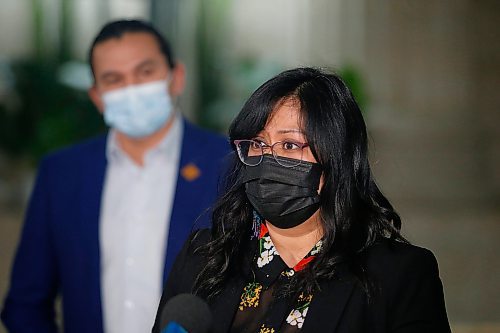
[{"x": 108, "y": 216}]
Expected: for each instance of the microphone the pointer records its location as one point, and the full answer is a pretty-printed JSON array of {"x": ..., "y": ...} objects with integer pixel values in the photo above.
[{"x": 186, "y": 313}]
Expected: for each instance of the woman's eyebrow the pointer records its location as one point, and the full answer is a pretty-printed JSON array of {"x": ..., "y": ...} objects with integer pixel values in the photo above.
[{"x": 287, "y": 131}]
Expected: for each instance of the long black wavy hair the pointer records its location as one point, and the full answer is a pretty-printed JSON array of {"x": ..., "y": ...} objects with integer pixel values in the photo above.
[{"x": 353, "y": 211}]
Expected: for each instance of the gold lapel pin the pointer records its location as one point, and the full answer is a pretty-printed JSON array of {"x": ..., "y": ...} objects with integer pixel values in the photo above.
[{"x": 190, "y": 172}]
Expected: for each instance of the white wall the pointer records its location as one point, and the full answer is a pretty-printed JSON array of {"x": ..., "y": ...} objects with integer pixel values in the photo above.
[{"x": 15, "y": 29}]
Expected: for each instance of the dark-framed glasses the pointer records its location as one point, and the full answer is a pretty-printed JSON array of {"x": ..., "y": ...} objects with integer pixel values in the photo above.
[{"x": 286, "y": 153}]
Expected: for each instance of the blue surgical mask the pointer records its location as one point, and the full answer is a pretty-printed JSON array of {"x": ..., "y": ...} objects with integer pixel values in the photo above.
[{"x": 138, "y": 110}]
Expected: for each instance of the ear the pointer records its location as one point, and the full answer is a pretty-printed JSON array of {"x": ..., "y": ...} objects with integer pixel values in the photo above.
[
  {"x": 95, "y": 97},
  {"x": 178, "y": 79}
]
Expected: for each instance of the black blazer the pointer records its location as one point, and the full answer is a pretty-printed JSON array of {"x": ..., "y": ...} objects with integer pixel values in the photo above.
[{"x": 408, "y": 294}]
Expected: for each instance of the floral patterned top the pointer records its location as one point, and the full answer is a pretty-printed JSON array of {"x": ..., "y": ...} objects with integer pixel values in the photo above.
[{"x": 261, "y": 308}]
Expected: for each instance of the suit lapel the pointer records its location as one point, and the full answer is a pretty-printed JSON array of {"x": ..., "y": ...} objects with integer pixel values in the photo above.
[
  {"x": 225, "y": 305},
  {"x": 93, "y": 173},
  {"x": 182, "y": 211},
  {"x": 196, "y": 189},
  {"x": 327, "y": 306}
]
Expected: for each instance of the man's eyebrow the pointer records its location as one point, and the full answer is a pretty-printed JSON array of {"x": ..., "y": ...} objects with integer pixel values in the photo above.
[
  {"x": 109, "y": 74},
  {"x": 146, "y": 62}
]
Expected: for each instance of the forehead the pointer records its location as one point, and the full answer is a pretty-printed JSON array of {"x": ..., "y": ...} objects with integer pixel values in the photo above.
[
  {"x": 125, "y": 52},
  {"x": 286, "y": 114}
]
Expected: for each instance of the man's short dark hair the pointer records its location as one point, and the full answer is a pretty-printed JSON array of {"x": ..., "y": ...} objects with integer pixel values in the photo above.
[{"x": 117, "y": 29}]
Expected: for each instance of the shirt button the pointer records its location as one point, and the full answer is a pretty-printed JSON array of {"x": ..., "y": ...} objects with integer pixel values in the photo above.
[
  {"x": 129, "y": 304},
  {"x": 130, "y": 261}
]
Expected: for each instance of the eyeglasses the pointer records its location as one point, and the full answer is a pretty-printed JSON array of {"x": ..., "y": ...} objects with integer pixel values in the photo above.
[{"x": 251, "y": 152}]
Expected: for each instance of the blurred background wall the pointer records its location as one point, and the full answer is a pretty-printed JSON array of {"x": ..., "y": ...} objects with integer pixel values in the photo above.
[{"x": 424, "y": 72}]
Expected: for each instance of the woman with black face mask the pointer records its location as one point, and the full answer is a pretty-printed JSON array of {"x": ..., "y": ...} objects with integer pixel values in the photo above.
[{"x": 302, "y": 239}]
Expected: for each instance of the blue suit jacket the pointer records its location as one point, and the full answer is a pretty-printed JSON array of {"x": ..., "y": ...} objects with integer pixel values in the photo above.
[{"x": 59, "y": 248}]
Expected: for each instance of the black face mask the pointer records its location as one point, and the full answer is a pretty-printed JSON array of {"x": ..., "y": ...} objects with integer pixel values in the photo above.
[{"x": 286, "y": 197}]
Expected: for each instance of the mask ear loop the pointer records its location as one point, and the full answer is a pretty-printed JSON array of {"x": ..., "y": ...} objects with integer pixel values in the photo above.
[
  {"x": 256, "y": 223},
  {"x": 174, "y": 101}
]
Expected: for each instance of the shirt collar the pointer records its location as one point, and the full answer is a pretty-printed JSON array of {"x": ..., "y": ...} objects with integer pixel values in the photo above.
[
  {"x": 115, "y": 153},
  {"x": 268, "y": 263}
]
